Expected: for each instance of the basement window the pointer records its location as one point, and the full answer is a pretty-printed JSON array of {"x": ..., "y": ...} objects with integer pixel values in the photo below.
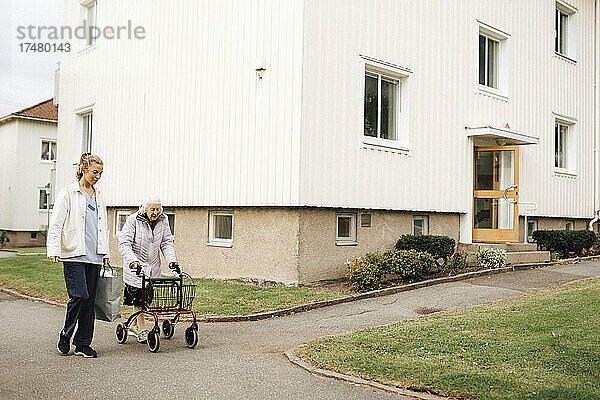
[
  {"x": 220, "y": 229},
  {"x": 345, "y": 232}
]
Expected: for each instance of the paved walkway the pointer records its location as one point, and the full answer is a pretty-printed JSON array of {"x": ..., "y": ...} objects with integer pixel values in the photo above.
[{"x": 232, "y": 360}]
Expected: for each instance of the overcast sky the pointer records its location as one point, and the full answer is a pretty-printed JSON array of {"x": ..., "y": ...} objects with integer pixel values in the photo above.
[{"x": 26, "y": 78}]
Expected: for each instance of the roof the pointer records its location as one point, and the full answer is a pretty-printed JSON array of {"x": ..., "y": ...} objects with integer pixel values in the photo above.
[{"x": 44, "y": 110}]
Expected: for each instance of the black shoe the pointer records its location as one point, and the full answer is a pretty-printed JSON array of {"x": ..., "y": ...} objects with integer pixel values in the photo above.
[
  {"x": 85, "y": 351},
  {"x": 63, "y": 345}
]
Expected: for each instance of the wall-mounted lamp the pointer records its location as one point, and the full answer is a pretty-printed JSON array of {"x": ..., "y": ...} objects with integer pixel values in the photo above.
[
  {"x": 260, "y": 72},
  {"x": 501, "y": 142}
]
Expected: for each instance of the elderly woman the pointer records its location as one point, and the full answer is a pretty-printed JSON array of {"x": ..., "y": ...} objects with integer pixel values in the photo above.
[{"x": 144, "y": 234}]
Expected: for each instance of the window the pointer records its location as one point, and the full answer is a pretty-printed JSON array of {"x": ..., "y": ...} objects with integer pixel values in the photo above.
[
  {"x": 532, "y": 226},
  {"x": 120, "y": 218},
  {"x": 488, "y": 61},
  {"x": 171, "y": 218},
  {"x": 345, "y": 232},
  {"x": 220, "y": 228},
  {"x": 385, "y": 105},
  {"x": 421, "y": 225},
  {"x": 381, "y": 106},
  {"x": 43, "y": 200},
  {"x": 90, "y": 14},
  {"x": 493, "y": 60},
  {"x": 86, "y": 134},
  {"x": 565, "y": 30},
  {"x": 48, "y": 150},
  {"x": 365, "y": 220},
  {"x": 564, "y": 146},
  {"x": 33, "y": 236},
  {"x": 569, "y": 225}
]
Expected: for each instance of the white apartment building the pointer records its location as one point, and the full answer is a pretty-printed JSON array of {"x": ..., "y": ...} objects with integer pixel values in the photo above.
[
  {"x": 28, "y": 153},
  {"x": 287, "y": 136}
]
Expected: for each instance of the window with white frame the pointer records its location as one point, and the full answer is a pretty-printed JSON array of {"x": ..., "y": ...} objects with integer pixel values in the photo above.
[
  {"x": 532, "y": 226},
  {"x": 42, "y": 200},
  {"x": 489, "y": 50},
  {"x": 493, "y": 60},
  {"x": 120, "y": 218},
  {"x": 564, "y": 146},
  {"x": 420, "y": 225},
  {"x": 48, "y": 150},
  {"x": 33, "y": 236},
  {"x": 87, "y": 124},
  {"x": 220, "y": 228},
  {"x": 385, "y": 105},
  {"x": 565, "y": 32},
  {"x": 345, "y": 231},
  {"x": 381, "y": 106},
  {"x": 90, "y": 20}
]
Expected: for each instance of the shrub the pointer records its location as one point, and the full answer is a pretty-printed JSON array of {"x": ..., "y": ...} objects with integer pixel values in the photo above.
[
  {"x": 458, "y": 261},
  {"x": 364, "y": 275},
  {"x": 409, "y": 263},
  {"x": 366, "y": 272},
  {"x": 564, "y": 242},
  {"x": 491, "y": 258},
  {"x": 3, "y": 239},
  {"x": 437, "y": 246}
]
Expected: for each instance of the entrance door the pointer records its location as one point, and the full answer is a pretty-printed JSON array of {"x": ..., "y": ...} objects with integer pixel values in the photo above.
[{"x": 496, "y": 195}]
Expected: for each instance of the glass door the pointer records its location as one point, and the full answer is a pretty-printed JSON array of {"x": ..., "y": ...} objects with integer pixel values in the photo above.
[{"x": 495, "y": 194}]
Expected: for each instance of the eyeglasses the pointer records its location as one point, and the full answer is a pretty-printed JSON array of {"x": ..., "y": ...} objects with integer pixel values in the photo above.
[{"x": 86, "y": 154}]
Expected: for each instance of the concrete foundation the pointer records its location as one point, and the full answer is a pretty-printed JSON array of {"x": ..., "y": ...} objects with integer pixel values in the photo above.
[
  {"x": 24, "y": 239},
  {"x": 290, "y": 246}
]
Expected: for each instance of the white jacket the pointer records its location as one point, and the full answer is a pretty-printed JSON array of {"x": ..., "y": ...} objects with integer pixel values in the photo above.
[
  {"x": 138, "y": 242},
  {"x": 66, "y": 233}
]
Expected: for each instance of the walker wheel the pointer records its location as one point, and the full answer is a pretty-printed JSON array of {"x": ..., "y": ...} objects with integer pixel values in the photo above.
[
  {"x": 121, "y": 333},
  {"x": 153, "y": 341},
  {"x": 191, "y": 337},
  {"x": 168, "y": 329}
]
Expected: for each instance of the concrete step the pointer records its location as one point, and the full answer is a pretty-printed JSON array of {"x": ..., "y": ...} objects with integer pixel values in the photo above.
[
  {"x": 518, "y": 257},
  {"x": 509, "y": 247}
]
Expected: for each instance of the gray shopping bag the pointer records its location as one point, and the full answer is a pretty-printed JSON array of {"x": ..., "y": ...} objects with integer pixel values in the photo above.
[{"x": 108, "y": 296}]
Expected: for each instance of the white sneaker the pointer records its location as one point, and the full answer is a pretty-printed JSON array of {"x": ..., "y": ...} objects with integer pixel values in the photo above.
[
  {"x": 133, "y": 331},
  {"x": 143, "y": 336}
]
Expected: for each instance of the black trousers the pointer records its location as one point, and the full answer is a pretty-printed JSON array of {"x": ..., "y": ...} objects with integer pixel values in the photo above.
[{"x": 81, "y": 280}]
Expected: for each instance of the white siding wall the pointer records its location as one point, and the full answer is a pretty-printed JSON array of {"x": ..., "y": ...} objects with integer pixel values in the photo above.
[
  {"x": 8, "y": 144},
  {"x": 440, "y": 45},
  {"x": 182, "y": 113},
  {"x": 23, "y": 173}
]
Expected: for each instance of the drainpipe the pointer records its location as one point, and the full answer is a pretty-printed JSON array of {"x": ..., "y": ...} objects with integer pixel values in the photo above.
[{"x": 596, "y": 116}]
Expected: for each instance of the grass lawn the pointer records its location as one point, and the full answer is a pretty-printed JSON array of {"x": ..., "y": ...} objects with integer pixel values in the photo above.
[
  {"x": 27, "y": 249},
  {"x": 36, "y": 276},
  {"x": 541, "y": 346}
]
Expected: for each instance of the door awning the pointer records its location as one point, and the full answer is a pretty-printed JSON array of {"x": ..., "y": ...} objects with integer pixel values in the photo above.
[{"x": 493, "y": 136}]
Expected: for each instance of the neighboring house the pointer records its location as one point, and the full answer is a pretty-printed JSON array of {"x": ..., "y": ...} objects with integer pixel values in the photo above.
[
  {"x": 28, "y": 154},
  {"x": 287, "y": 136}
]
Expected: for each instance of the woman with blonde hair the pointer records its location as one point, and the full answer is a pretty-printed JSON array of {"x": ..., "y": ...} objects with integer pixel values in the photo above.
[{"x": 78, "y": 237}]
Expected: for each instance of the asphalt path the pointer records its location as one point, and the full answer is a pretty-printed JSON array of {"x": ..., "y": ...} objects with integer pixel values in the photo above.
[{"x": 232, "y": 360}]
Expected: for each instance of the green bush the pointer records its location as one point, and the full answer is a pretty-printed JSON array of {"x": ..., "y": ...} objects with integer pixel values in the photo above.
[
  {"x": 364, "y": 275},
  {"x": 458, "y": 261},
  {"x": 366, "y": 272},
  {"x": 3, "y": 239},
  {"x": 409, "y": 263},
  {"x": 437, "y": 246},
  {"x": 564, "y": 242}
]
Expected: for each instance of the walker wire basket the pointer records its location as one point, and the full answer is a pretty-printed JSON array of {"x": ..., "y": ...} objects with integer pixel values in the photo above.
[{"x": 168, "y": 295}]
